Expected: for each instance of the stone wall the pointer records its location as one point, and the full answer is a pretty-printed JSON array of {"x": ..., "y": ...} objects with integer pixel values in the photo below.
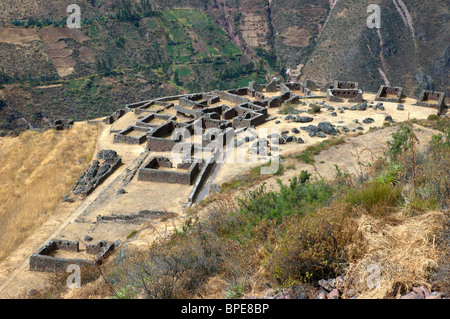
[
  {"x": 230, "y": 97},
  {"x": 123, "y": 137},
  {"x": 43, "y": 261},
  {"x": 151, "y": 172},
  {"x": 338, "y": 95},
  {"x": 146, "y": 121},
  {"x": 432, "y": 99},
  {"x": 345, "y": 85},
  {"x": 114, "y": 117},
  {"x": 385, "y": 91}
]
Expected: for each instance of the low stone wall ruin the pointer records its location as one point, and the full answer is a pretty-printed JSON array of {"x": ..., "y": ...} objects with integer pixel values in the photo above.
[
  {"x": 389, "y": 94},
  {"x": 153, "y": 171},
  {"x": 432, "y": 99},
  {"x": 123, "y": 137},
  {"x": 44, "y": 262},
  {"x": 338, "y": 95}
]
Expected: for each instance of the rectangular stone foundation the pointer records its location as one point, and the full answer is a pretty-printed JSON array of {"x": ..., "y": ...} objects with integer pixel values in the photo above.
[
  {"x": 44, "y": 262},
  {"x": 389, "y": 94}
]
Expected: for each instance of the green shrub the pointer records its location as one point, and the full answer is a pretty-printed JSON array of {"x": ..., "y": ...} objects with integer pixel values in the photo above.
[
  {"x": 315, "y": 108},
  {"x": 375, "y": 198},
  {"x": 299, "y": 197},
  {"x": 313, "y": 247},
  {"x": 400, "y": 142},
  {"x": 433, "y": 117}
]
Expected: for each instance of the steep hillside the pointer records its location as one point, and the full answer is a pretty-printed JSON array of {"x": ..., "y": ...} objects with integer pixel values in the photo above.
[
  {"x": 411, "y": 49},
  {"x": 36, "y": 171},
  {"x": 112, "y": 61},
  {"x": 130, "y": 50}
]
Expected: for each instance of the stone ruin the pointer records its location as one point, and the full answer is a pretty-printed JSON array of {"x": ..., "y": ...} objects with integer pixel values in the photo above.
[
  {"x": 45, "y": 261},
  {"x": 389, "y": 94},
  {"x": 133, "y": 134},
  {"x": 114, "y": 117},
  {"x": 341, "y": 91},
  {"x": 432, "y": 99},
  {"x": 62, "y": 124},
  {"x": 158, "y": 169},
  {"x": 98, "y": 170}
]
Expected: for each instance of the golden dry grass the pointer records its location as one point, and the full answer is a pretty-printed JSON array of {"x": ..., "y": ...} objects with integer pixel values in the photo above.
[
  {"x": 36, "y": 171},
  {"x": 403, "y": 249}
]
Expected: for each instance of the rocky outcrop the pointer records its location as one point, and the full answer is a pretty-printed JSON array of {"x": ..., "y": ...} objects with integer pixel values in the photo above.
[{"x": 98, "y": 170}]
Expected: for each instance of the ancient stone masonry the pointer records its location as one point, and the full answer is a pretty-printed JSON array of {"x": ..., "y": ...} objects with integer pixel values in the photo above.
[
  {"x": 62, "y": 124},
  {"x": 340, "y": 95},
  {"x": 389, "y": 94},
  {"x": 107, "y": 162},
  {"x": 159, "y": 169},
  {"x": 141, "y": 216},
  {"x": 311, "y": 85},
  {"x": 114, "y": 117},
  {"x": 230, "y": 97},
  {"x": 346, "y": 85},
  {"x": 146, "y": 122},
  {"x": 132, "y": 135},
  {"x": 165, "y": 137},
  {"x": 432, "y": 99},
  {"x": 271, "y": 87},
  {"x": 45, "y": 261}
]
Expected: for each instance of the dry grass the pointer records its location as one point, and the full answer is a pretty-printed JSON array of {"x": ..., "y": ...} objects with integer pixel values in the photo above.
[
  {"x": 36, "y": 171},
  {"x": 403, "y": 248}
]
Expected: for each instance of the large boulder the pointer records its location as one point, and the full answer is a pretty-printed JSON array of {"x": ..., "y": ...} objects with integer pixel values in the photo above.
[{"x": 327, "y": 128}]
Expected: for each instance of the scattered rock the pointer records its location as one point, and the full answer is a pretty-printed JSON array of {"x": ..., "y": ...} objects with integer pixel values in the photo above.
[
  {"x": 350, "y": 293},
  {"x": 327, "y": 128},
  {"x": 411, "y": 295},
  {"x": 289, "y": 139},
  {"x": 334, "y": 294},
  {"x": 368, "y": 120},
  {"x": 88, "y": 238},
  {"x": 325, "y": 284},
  {"x": 389, "y": 119},
  {"x": 322, "y": 295},
  {"x": 378, "y": 105},
  {"x": 419, "y": 292},
  {"x": 303, "y": 119},
  {"x": 295, "y": 130},
  {"x": 400, "y": 107},
  {"x": 300, "y": 140}
]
